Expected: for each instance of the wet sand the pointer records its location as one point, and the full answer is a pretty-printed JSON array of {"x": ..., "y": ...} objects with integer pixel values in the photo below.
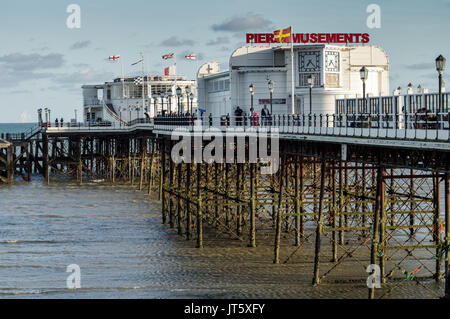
[{"x": 115, "y": 235}]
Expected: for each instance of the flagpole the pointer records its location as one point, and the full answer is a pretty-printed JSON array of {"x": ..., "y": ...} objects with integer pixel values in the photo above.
[
  {"x": 178, "y": 99},
  {"x": 143, "y": 81},
  {"x": 123, "y": 78},
  {"x": 292, "y": 76}
]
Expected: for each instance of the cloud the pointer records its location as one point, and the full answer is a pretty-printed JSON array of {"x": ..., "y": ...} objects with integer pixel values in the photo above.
[
  {"x": 30, "y": 62},
  {"x": 173, "y": 41},
  {"x": 219, "y": 40},
  {"x": 20, "y": 91},
  {"x": 242, "y": 23},
  {"x": 420, "y": 66},
  {"x": 85, "y": 75},
  {"x": 80, "y": 45}
]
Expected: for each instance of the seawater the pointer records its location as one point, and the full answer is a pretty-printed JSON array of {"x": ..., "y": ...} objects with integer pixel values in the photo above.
[
  {"x": 15, "y": 127},
  {"x": 115, "y": 235}
]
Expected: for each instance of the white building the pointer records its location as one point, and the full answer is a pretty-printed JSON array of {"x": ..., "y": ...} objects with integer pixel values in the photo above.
[
  {"x": 122, "y": 100},
  {"x": 335, "y": 67}
]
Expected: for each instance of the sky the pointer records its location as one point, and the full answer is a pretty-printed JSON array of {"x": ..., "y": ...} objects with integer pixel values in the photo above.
[{"x": 43, "y": 63}]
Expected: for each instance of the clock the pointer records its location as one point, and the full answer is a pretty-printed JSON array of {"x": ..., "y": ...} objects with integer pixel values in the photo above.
[
  {"x": 332, "y": 61},
  {"x": 309, "y": 61}
]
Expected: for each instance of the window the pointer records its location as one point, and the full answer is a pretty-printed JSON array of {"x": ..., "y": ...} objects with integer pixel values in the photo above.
[{"x": 218, "y": 85}]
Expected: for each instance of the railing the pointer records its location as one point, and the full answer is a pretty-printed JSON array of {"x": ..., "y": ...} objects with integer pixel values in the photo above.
[
  {"x": 23, "y": 136},
  {"x": 418, "y": 126},
  {"x": 397, "y": 104}
]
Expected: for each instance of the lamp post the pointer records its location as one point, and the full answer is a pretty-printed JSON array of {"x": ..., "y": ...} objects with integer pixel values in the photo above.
[
  {"x": 271, "y": 88},
  {"x": 40, "y": 117},
  {"x": 129, "y": 109},
  {"x": 188, "y": 94},
  {"x": 178, "y": 91},
  {"x": 191, "y": 96},
  {"x": 440, "y": 67},
  {"x": 252, "y": 92},
  {"x": 364, "y": 73},
  {"x": 311, "y": 79},
  {"x": 170, "y": 94},
  {"x": 161, "y": 95},
  {"x": 137, "y": 110},
  {"x": 154, "y": 97}
]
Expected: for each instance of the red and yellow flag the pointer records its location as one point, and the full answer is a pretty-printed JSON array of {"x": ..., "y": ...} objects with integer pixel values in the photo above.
[{"x": 282, "y": 35}]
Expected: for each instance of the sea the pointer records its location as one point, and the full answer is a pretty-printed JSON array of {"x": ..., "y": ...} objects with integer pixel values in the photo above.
[{"x": 97, "y": 240}]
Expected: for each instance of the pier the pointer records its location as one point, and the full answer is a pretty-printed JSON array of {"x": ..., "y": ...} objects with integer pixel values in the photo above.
[{"x": 359, "y": 190}]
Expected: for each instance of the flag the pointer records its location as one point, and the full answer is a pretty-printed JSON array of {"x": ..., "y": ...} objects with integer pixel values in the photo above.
[
  {"x": 190, "y": 56},
  {"x": 282, "y": 35},
  {"x": 170, "y": 70},
  {"x": 138, "y": 62},
  {"x": 168, "y": 56},
  {"x": 114, "y": 57},
  {"x": 138, "y": 80}
]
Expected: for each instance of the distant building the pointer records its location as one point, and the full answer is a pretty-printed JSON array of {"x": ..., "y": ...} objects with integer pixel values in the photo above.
[
  {"x": 122, "y": 100},
  {"x": 335, "y": 67}
]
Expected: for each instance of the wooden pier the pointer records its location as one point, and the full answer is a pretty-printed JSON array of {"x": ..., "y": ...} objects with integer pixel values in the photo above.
[{"x": 359, "y": 201}]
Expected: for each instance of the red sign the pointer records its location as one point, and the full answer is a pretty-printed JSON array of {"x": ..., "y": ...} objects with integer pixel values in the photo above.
[{"x": 309, "y": 38}]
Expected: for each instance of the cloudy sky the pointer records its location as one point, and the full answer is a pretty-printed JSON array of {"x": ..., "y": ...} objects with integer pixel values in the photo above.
[{"x": 44, "y": 63}]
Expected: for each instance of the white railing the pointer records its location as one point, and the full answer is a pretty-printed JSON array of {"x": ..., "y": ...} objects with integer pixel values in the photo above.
[{"x": 420, "y": 126}]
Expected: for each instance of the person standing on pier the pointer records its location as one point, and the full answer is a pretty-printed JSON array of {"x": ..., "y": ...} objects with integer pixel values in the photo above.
[
  {"x": 253, "y": 117},
  {"x": 238, "y": 113}
]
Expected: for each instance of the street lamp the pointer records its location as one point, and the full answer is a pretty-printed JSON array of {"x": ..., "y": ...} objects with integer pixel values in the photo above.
[
  {"x": 178, "y": 91},
  {"x": 191, "y": 96},
  {"x": 252, "y": 92},
  {"x": 40, "y": 117},
  {"x": 364, "y": 74},
  {"x": 46, "y": 116},
  {"x": 170, "y": 94},
  {"x": 129, "y": 108},
  {"x": 154, "y": 97},
  {"x": 271, "y": 87},
  {"x": 188, "y": 92},
  {"x": 161, "y": 95},
  {"x": 311, "y": 81},
  {"x": 440, "y": 67}
]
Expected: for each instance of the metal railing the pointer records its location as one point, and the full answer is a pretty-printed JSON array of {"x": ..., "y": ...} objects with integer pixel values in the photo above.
[{"x": 418, "y": 126}]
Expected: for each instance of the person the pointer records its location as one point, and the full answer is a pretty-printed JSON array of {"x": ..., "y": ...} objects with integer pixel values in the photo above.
[
  {"x": 62, "y": 122},
  {"x": 238, "y": 113},
  {"x": 254, "y": 117},
  {"x": 56, "y": 122},
  {"x": 265, "y": 115}
]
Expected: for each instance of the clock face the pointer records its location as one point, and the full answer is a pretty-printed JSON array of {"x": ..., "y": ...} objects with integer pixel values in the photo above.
[
  {"x": 310, "y": 61},
  {"x": 331, "y": 61}
]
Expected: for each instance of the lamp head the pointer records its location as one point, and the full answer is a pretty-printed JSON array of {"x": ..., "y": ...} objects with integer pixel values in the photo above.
[
  {"x": 363, "y": 73},
  {"x": 440, "y": 64}
]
